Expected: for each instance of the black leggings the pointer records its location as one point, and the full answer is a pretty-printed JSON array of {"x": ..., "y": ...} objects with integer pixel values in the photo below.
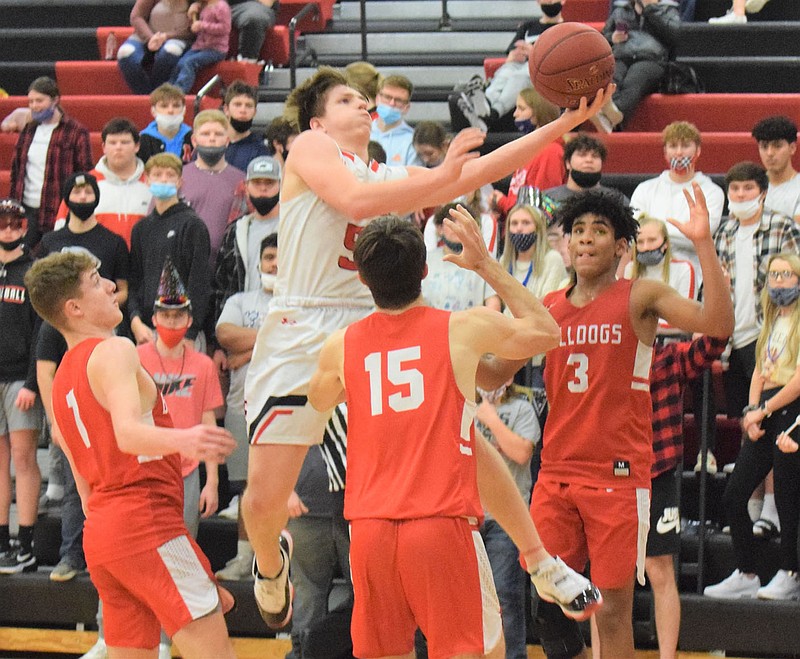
[{"x": 755, "y": 461}]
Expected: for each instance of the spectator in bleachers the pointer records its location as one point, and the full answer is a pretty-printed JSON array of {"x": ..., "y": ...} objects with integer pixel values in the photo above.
[
  {"x": 167, "y": 132},
  {"x": 211, "y": 26},
  {"x": 161, "y": 34},
  {"x": 777, "y": 144},
  {"x": 174, "y": 229},
  {"x": 252, "y": 18},
  {"x": 584, "y": 156},
  {"x": 240, "y": 108},
  {"x": 772, "y": 407},
  {"x": 546, "y": 170},
  {"x": 529, "y": 31},
  {"x": 663, "y": 197},
  {"x": 737, "y": 14},
  {"x": 49, "y": 150},
  {"x": 279, "y": 137},
  {"x": 390, "y": 129},
  {"x": 213, "y": 188},
  {"x": 364, "y": 76},
  {"x": 430, "y": 142},
  {"x": 641, "y": 34}
]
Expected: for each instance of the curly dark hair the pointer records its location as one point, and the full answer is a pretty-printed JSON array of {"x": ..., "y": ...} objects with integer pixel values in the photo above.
[
  {"x": 603, "y": 204},
  {"x": 775, "y": 128}
]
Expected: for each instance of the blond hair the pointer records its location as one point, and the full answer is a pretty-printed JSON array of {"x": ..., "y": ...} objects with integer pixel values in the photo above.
[
  {"x": 638, "y": 268},
  {"x": 681, "y": 131},
  {"x": 509, "y": 258},
  {"x": 208, "y": 116},
  {"x": 169, "y": 160},
  {"x": 771, "y": 311}
]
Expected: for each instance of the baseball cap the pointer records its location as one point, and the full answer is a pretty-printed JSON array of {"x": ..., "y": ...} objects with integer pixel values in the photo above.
[{"x": 264, "y": 167}]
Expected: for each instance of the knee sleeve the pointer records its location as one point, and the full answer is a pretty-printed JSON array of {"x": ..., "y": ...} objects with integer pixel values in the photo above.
[
  {"x": 174, "y": 47},
  {"x": 125, "y": 50},
  {"x": 560, "y": 637}
]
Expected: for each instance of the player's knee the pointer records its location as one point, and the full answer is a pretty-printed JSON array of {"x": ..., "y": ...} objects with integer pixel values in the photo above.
[
  {"x": 560, "y": 637},
  {"x": 660, "y": 570},
  {"x": 125, "y": 50},
  {"x": 174, "y": 47}
]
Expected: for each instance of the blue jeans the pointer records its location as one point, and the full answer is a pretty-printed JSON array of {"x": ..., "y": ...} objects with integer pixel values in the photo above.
[
  {"x": 72, "y": 519},
  {"x": 143, "y": 74},
  {"x": 191, "y": 63},
  {"x": 509, "y": 581}
]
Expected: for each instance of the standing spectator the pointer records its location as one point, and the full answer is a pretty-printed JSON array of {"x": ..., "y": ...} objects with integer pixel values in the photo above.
[
  {"x": 21, "y": 412},
  {"x": 252, "y": 18},
  {"x": 777, "y": 144},
  {"x": 167, "y": 132},
  {"x": 49, "y": 149},
  {"x": 240, "y": 109},
  {"x": 390, "y": 129},
  {"x": 211, "y": 25},
  {"x": 160, "y": 36},
  {"x": 172, "y": 229}
]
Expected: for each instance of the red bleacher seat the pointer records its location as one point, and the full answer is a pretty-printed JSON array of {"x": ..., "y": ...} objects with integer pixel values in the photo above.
[
  {"x": 289, "y": 8},
  {"x": 586, "y": 10},
  {"x": 5, "y": 183}
]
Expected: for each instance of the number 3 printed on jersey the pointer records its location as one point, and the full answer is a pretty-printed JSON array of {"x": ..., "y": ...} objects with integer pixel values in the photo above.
[
  {"x": 580, "y": 379},
  {"x": 395, "y": 373}
]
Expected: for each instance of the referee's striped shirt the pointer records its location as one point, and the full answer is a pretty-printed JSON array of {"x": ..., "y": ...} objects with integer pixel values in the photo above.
[{"x": 334, "y": 448}]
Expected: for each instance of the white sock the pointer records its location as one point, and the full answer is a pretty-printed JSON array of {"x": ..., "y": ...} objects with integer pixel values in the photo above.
[
  {"x": 754, "y": 507},
  {"x": 542, "y": 564},
  {"x": 244, "y": 548},
  {"x": 769, "y": 511},
  {"x": 54, "y": 492}
]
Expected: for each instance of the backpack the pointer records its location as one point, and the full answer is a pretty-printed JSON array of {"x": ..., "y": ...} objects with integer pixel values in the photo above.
[{"x": 680, "y": 78}]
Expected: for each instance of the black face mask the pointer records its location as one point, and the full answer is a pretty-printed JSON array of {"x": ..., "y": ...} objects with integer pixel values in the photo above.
[
  {"x": 585, "y": 179},
  {"x": 264, "y": 204},
  {"x": 551, "y": 10},
  {"x": 83, "y": 211},
  {"x": 211, "y": 155},
  {"x": 241, "y": 125},
  {"x": 11, "y": 245}
]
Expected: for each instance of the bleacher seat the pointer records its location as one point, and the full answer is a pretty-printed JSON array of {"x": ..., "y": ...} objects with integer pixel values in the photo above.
[
  {"x": 585, "y": 10},
  {"x": 288, "y": 9}
]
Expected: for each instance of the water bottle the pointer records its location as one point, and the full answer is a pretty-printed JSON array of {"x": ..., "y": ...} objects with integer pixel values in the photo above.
[{"x": 111, "y": 46}]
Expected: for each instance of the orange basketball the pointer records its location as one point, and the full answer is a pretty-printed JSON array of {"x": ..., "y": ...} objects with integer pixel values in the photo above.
[{"x": 570, "y": 60}]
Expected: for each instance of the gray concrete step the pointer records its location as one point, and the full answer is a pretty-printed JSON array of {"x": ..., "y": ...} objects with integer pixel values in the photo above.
[
  {"x": 475, "y": 44},
  {"x": 432, "y": 10}
]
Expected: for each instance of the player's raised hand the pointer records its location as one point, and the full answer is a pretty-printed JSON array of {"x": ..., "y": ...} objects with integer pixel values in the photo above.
[
  {"x": 466, "y": 230},
  {"x": 698, "y": 227},
  {"x": 207, "y": 443},
  {"x": 587, "y": 109}
]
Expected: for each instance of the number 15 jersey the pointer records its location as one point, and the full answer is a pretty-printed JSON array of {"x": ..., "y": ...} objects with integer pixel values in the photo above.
[{"x": 598, "y": 431}]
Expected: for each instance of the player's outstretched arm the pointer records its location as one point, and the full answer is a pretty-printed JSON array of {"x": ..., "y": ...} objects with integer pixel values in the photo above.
[
  {"x": 113, "y": 370},
  {"x": 326, "y": 389}
]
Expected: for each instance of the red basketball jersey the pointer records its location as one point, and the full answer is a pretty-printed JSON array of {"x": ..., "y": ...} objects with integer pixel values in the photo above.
[
  {"x": 598, "y": 430},
  {"x": 410, "y": 444},
  {"x": 136, "y": 501}
]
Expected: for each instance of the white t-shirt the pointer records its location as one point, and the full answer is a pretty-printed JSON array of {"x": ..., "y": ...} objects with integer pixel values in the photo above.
[
  {"x": 785, "y": 198},
  {"x": 37, "y": 162},
  {"x": 745, "y": 329}
]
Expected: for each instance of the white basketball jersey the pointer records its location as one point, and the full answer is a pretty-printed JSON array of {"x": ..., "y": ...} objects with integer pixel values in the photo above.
[{"x": 316, "y": 245}]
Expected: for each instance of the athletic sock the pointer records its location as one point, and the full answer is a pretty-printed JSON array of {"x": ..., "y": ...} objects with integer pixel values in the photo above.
[
  {"x": 769, "y": 511},
  {"x": 54, "y": 492},
  {"x": 25, "y": 538},
  {"x": 244, "y": 548},
  {"x": 754, "y": 507}
]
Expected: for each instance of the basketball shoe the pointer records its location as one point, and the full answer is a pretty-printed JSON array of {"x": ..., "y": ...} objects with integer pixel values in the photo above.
[
  {"x": 556, "y": 582},
  {"x": 274, "y": 596}
]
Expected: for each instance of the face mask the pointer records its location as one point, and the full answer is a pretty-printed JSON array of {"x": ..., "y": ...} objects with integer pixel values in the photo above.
[
  {"x": 11, "y": 245},
  {"x": 268, "y": 281},
  {"x": 83, "y": 211},
  {"x": 452, "y": 246},
  {"x": 522, "y": 242},
  {"x": 241, "y": 125},
  {"x": 264, "y": 205},
  {"x": 650, "y": 256},
  {"x": 585, "y": 180},
  {"x": 744, "y": 210},
  {"x": 551, "y": 10},
  {"x": 525, "y": 126},
  {"x": 43, "y": 115},
  {"x": 168, "y": 123},
  {"x": 211, "y": 155},
  {"x": 163, "y": 190},
  {"x": 170, "y": 335},
  {"x": 680, "y": 163},
  {"x": 388, "y": 114},
  {"x": 783, "y": 297},
  {"x": 492, "y": 396}
]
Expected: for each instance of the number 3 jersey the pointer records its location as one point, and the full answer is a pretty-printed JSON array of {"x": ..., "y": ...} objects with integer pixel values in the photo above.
[
  {"x": 598, "y": 430},
  {"x": 136, "y": 502},
  {"x": 410, "y": 435}
]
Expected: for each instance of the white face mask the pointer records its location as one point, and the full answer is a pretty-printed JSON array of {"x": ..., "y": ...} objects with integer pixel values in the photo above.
[
  {"x": 744, "y": 210},
  {"x": 169, "y": 122},
  {"x": 268, "y": 281}
]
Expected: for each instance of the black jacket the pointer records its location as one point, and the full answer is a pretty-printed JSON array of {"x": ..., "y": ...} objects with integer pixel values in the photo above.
[
  {"x": 652, "y": 35},
  {"x": 19, "y": 324}
]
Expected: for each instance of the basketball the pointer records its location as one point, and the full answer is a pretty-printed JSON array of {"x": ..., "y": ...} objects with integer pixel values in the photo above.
[{"x": 568, "y": 61}]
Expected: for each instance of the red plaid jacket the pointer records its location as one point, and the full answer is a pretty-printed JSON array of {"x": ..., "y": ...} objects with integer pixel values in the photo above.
[{"x": 69, "y": 152}]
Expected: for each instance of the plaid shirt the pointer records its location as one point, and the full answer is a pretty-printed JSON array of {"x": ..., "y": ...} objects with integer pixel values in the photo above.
[
  {"x": 674, "y": 364},
  {"x": 69, "y": 152},
  {"x": 776, "y": 233}
]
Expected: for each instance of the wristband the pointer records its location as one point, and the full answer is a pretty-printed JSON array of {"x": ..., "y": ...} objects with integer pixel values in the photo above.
[
  {"x": 749, "y": 408},
  {"x": 766, "y": 410}
]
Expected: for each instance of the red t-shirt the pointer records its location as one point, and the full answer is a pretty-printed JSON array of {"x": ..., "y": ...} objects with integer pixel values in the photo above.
[
  {"x": 410, "y": 436},
  {"x": 598, "y": 430},
  {"x": 136, "y": 502}
]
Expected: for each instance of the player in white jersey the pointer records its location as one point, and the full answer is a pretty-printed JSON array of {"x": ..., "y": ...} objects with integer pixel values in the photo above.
[{"x": 328, "y": 194}]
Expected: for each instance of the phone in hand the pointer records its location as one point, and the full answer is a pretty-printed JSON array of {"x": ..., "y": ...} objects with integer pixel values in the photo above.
[{"x": 621, "y": 26}]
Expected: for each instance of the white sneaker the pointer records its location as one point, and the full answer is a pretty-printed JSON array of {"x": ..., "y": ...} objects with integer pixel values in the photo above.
[
  {"x": 237, "y": 569},
  {"x": 785, "y": 585},
  {"x": 556, "y": 582},
  {"x": 736, "y": 586},
  {"x": 612, "y": 113},
  {"x": 464, "y": 104},
  {"x": 728, "y": 19},
  {"x": 728, "y": 468},
  {"x": 274, "y": 596},
  {"x": 711, "y": 462},
  {"x": 164, "y": 651},
  {"x": 755, "y": 6},
  {"x": 232, "y": 511},
  {"x": 602, "y": 123},
  {"x": 97, "y": 651}
]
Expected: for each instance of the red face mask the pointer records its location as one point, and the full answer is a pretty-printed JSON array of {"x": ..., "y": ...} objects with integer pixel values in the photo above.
[{"x": 171, "y": 336}]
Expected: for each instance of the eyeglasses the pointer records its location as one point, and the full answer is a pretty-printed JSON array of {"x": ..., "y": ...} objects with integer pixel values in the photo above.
[
  {"x": 399, "y": 102},
  {"x": 781, "y": 275},
  {"x": 11, "y": 223}
]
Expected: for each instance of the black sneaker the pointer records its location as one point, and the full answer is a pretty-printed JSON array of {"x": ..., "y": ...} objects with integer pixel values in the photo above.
[
  {"x": 274, "y": 596},
  {"x": 17, "y": 560}
]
